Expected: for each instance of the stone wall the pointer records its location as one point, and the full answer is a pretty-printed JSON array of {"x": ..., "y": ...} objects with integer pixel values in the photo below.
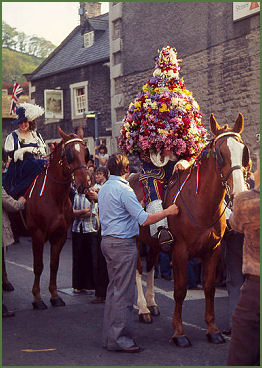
[{"x": 221, "y": 59}]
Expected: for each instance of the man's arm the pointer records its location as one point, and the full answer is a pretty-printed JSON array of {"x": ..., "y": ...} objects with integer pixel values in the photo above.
[{"x": 157, "y": 216}]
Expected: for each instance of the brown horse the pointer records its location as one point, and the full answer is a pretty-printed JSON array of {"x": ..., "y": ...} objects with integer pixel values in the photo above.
[
  {"x": 199, "y": 193},
  {"x": 49, "y": 210}
]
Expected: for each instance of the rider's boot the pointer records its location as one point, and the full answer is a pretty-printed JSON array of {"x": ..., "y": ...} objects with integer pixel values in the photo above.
[{"x": 160, "y": 229}]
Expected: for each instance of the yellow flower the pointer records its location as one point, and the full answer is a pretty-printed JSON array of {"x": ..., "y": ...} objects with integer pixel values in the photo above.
[
  {"x": 188, "y": 107},
  {"x": 131, "y": 104},
  {"x": 144, "y": 88},
  {"x": 138, "y": 104},
  {"x": 163, "y": 108},
  {"x": 156, "y": 89}
]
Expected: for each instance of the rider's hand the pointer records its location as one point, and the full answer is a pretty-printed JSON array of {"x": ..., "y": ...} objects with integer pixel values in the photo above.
[
  {"x": 179, "y": 167},
  {"x": 22, "y": 199}
]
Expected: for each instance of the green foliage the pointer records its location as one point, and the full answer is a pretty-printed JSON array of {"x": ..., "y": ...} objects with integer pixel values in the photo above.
[
  {"x": 21, "y": 54},
  {"x": 19, "y": 41},
  {"x": 15, "y": 64}
]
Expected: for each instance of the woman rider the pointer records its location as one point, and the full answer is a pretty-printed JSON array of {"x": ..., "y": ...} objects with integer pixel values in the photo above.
[{"x": 25, "y": 147}]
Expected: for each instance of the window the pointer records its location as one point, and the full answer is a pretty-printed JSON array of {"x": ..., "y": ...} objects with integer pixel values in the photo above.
[
  {"x": 79, "y": 99},
  {"x": 88, "y": 39}
]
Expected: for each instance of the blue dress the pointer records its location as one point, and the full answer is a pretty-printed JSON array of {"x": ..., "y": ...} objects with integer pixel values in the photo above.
[{"x": 20, "y": 174}]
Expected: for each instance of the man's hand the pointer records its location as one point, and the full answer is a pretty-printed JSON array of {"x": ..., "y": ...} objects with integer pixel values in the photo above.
[
  {"x": 92, "y": 195},
  {"x": 172, "y": 210}
]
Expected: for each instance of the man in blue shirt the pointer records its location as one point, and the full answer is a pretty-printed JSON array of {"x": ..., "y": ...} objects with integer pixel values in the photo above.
[{"x": 120, "y": 215}]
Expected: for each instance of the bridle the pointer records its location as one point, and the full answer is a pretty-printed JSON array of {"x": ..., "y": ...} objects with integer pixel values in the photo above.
[
  {"x": 68, "y": 155},
  {"x": 220, "y": 160}
]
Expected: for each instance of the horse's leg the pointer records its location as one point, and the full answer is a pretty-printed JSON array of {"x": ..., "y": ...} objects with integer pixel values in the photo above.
[
  {"x": 38, "y": 247},
  {"x": 209, "y": 268},
  {"x": 56, "y": 247},
  {"x": 143, "y": 312},
  {"x": 150, "y": 294},
  {"x": 180, "y": 278}
]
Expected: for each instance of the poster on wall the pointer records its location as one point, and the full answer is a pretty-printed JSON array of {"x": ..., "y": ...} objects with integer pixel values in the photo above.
[
  {"x": 244, "y": 10},
  {"x": 54, "y": 104}
]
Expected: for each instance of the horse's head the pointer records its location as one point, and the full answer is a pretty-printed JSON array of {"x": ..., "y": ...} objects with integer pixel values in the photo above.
[
  {"x": 232, "y": 155},
  {"x": 75, "y": 155}
]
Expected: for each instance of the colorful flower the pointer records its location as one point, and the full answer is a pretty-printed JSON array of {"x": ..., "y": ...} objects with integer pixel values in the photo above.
[{"x": 164, "y": 114}]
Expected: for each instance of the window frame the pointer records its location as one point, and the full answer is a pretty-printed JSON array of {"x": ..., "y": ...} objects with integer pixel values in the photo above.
[{"x": 73, "y": 98}]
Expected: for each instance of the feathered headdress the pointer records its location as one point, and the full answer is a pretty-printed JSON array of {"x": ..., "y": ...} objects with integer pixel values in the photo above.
[{"x": 28, "y": 112}]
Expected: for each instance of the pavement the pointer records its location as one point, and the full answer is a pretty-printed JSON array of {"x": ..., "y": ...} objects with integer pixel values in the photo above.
[{"x": 71, "y": 335}]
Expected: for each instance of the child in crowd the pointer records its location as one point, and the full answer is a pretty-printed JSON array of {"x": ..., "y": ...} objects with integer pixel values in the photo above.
[
  {"x": 84, "y": 243},
  {"x": 101, "y": 176},
  {"x": 102, "y": 155}
]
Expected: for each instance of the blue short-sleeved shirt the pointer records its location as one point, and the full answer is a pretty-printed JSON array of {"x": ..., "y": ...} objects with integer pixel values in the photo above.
[{"x": 119, "y": 210}]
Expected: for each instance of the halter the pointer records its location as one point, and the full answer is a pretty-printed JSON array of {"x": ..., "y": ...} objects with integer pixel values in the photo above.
[{"x": 68, "y": 163}]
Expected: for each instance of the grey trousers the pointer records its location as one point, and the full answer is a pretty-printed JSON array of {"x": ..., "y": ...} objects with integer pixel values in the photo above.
[{"x": 121, "y": 259}]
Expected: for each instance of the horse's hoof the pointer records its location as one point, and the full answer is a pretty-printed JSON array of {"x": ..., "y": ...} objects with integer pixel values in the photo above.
[
  {"x": 57, "y": 302},
  {"x": 182, "y": 341},
  {"x": 39, "y": 305},
  {"x": 145, "y": 318},
  {"x": 154, "y": 310},
  {"x": 215, "y": 338},
  {"x": 7, "y": 286}
]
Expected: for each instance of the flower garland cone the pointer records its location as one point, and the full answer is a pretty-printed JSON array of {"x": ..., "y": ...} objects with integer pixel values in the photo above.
[{"x": 164, "y": 114}]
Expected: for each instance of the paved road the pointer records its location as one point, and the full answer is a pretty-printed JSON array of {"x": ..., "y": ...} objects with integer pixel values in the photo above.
[{"x": 71, "y": 335}]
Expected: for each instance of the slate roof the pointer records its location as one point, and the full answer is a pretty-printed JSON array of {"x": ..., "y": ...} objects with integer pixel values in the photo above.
[{"x": 71, "y": 54}]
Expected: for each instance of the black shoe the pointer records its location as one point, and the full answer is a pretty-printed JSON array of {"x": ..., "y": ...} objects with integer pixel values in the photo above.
[
  {"x": 168, "y": 278},
  {"x": 98, "y": 300},
  {"x": 227, "y": 332},
  {"x": 165, "y": 239},
  {"x": 132, "y": 349},
  {"x": 7, "y": 286},
  {"x": 6, "y": 312}
]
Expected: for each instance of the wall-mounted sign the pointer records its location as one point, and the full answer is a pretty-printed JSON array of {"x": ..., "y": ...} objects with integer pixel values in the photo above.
[
  {"x": 54, "y": 104},
  {"x": 244, "y": 10}
]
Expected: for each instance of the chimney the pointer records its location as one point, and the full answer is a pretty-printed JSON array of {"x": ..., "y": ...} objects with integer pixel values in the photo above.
[{"x": 89, "y": 10}]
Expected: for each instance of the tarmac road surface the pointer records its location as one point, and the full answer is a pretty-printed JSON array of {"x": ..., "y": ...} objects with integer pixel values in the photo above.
[{"x": 71, "y": 335}]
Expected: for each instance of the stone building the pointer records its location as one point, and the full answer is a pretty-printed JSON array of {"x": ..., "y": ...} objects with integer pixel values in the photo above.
[{"x": 221, "y": 56}]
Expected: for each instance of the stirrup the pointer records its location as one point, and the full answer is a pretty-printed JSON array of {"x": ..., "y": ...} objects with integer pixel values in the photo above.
[{"x": 165, "y": 239}]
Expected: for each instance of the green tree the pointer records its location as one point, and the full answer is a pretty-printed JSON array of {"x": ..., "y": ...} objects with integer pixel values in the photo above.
[{"x": 8, "y": 36}]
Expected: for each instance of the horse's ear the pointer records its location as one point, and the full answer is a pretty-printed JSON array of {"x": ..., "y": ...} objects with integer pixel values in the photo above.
[
  {"x": 62, "y": 134},
  {"x": 239, "y": 124},
  {"x": 215, "y": 128}
]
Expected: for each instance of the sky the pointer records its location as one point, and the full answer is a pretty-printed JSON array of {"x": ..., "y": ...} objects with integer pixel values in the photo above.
[{"x": 50, "y": 20}]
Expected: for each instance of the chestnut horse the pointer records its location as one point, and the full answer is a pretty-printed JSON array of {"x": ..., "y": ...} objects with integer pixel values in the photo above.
[
  {"x": 199, "y": 193},
  {"x": 49, "y": 209}
]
